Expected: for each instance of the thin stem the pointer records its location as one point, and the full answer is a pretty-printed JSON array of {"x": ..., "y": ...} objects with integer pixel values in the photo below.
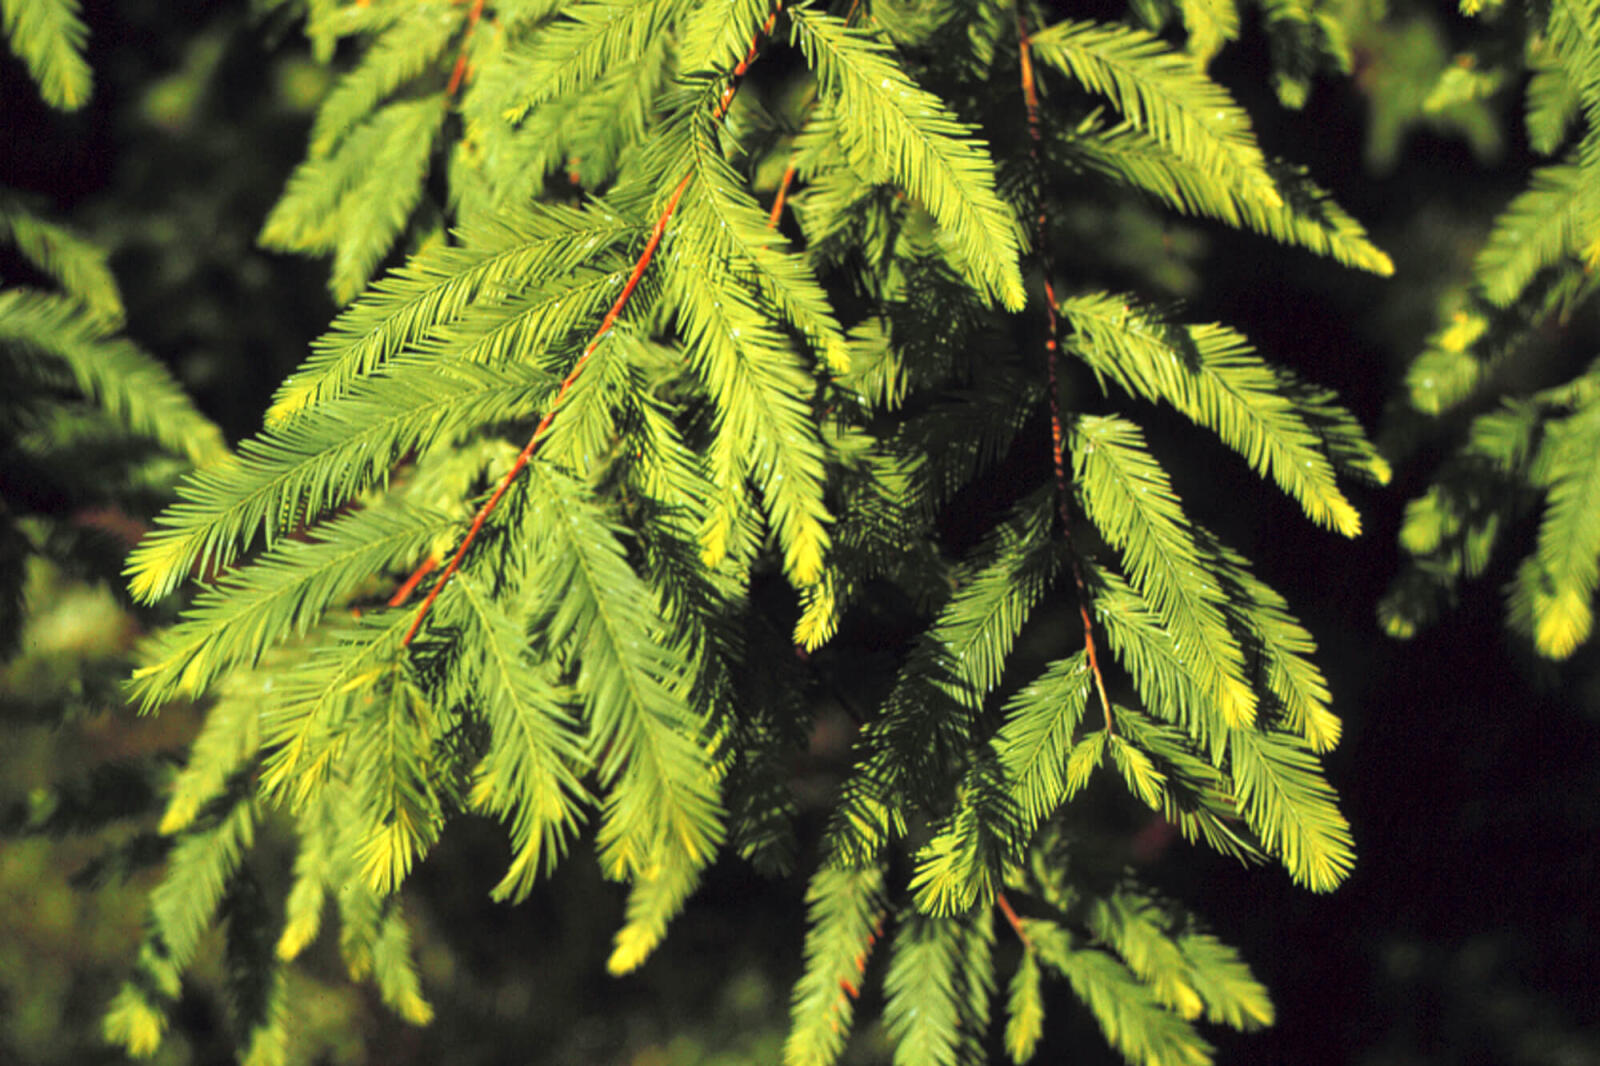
[
  {"x": 726, "y": 101},
  {"x": 404, "y": 592},
  {"x": 791, "y": 171},
  {"x": 424, "y": 568},
  {"x": 783, "y": 194},
  {"x": 1052, "y": 347},
  {"x": 459, "y": 74},
  {"x": 639, "y": 267},
  {"x": 1015, "y": 922},
  {"x": 555, "y": 405}
]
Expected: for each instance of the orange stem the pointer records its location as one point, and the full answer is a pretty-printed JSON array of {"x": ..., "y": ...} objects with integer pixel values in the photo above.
[
  {"x": 783, "y": 194},
  {"x": 544, "y": 423},
  {"x": 404, "y": 592},
  {"x": 458, "y": 75},
  {"x": 639, "y": 267},
  {"x": 789, "y": 172},
  {"x": 1052, "y": 345},
  {"x": 1015, "y": 922}
]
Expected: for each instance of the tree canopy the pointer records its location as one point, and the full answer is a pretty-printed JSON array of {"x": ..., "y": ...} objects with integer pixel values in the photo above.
[{"x": 709, "y": 375}]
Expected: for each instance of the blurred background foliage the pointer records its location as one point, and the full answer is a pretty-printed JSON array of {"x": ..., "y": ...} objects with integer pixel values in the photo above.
[{"x": 1471, "y": 770}]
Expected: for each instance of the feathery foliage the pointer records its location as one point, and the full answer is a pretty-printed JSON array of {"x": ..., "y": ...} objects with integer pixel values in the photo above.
[
  {"x": 760, "y": 330},
  {"x": 355, "y": 201},
  {"x": 846, "y": 913},
  {"x": 49, "y": 37},
  {"x": 1297, "y": 211},
  {"x": 1529, "y": 446},
  {"x": 73, "y": 383},
  {"x": 77, "y": 266},
  {"x": 42, "y": 332},
  {"x": 1164, "y": 94}
]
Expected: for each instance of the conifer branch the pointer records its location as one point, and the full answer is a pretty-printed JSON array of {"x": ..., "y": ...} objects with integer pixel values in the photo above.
[
  {"x": 49, "y": 36},
  {"x": 1052, "y": 345},
  {"x": 523, "y": 457},
  {"x": 598, "y": 655},
  {"x": 901, "y": 132},
  {"x": 1025, "y": 1009},
  {"x": 639, "y": 267},
  {"x": 846, "y": 910},
  {"x": 1537, "y": 449},
  {"x": 79, "y": 267}
]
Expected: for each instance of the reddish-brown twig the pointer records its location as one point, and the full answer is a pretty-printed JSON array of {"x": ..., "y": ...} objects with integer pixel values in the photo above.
[
  {"x": 403, "y": 593},
  {"x": 1030, "y": 97},
  {"x": 1015, "y": 922},
  {"x": 791, "y": 171},
  {"x": 610, "y": 320},
  {"x": 555, "y": 405},
  {"x": 459, "y": 73},
  {"x": 783, "y": 194}
]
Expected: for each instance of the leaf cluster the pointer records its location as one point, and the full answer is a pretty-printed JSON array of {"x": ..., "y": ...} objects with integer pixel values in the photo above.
[
  {"x": 1525, "y": 410},
  {"x": 702, "y": 318},
  {"x": 88, "y": 419}
]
